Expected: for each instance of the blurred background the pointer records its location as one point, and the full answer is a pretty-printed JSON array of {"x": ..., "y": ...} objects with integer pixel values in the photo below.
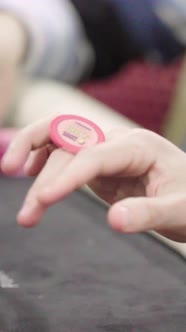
[{"x": 122, "y": 58}]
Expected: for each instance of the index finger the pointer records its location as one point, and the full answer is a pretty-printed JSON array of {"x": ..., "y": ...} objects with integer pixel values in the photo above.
[{"x": 28, "y": 139}]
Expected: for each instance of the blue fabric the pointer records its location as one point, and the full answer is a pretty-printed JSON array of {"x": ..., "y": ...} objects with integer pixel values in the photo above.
[{"x": 147, "y": 30}]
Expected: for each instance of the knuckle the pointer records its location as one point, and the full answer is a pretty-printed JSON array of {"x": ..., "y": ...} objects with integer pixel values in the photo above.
[{"x": 140, "y": 140}]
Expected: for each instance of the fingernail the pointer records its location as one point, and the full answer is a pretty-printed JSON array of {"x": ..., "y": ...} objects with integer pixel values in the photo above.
[{"x": 121, "y": 219}]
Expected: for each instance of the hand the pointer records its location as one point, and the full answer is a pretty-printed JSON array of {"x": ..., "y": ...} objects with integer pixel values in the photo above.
[{"x": 139, "y": 173}]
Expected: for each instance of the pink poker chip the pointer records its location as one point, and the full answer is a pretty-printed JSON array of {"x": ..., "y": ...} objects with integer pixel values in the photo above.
[{"x": 74, "y": 133}]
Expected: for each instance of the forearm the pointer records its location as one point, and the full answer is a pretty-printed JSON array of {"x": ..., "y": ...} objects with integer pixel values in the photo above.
[
  {"x": 12, "y": 41},
  {"x": 51, "y": 99},
  {"x": 12, "y": 45}
]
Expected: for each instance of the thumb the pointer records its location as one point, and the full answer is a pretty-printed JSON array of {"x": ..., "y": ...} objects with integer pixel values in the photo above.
[{"x": 162, "y": 214}]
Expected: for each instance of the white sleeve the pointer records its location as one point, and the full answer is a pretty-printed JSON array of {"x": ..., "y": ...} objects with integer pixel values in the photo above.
[{"x": 58, "y": 45}]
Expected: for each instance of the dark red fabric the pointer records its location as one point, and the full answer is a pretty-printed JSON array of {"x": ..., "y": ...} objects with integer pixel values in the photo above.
[{"x": 141, "y": 91}]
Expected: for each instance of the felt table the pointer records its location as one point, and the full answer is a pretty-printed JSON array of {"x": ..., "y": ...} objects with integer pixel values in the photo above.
[{"x": 73, "y": 274}]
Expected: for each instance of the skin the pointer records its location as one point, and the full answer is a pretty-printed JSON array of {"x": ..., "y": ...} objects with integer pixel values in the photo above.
[
  {"x": 12, "y": 47},
  {"x": 140, "y": 174},
  {"x": 12, "y": 40}
]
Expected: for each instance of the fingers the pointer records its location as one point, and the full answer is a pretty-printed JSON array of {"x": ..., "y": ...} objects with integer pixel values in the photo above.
[
  {"x": 126, "y": 156},
  {"x": 33, "y": 137},
  {"x": 166, "y": 215},
  {"x": 33, "y": 209}
]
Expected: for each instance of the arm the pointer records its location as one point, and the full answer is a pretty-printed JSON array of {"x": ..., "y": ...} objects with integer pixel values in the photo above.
[
  {"x": 12, "y": 44},
  {"x": 56, "y": 45},
  {"x": 49, "y": 98},
  {"x": 12, "y": 41},
  {"x": 72, "y": 41}
]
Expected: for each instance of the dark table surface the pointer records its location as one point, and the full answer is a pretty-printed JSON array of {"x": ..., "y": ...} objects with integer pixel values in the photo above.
[{"x": 73, "y": 274}]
